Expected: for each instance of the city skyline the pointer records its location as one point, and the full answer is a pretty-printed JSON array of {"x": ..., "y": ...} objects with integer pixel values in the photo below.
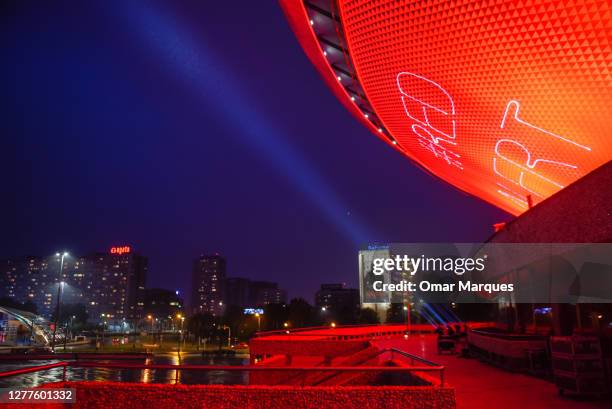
[
  {"x": 306, "y": 203},
  {"x": 112, "y": 285}
]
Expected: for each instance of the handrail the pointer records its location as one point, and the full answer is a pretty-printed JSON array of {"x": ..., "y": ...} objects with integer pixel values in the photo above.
[
  {"x": 235, "y": 368},
  {"x": 300, "y": 331},
  {"x": 75, "y": 355},
  {"x": 256, "y": 368},
  {"x": 414, "y": 357},
  {"x": 34, "y": 368},
  {"x": 414, "y": 327},
  {"x": 508, "y": 336}
]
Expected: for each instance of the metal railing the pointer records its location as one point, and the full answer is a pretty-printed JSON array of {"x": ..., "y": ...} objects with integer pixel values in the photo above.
[
  {"x": 369, "y": 329},
  {"x": 209, "y": 368},
  {"x": 433, "y": 367},
  {"x": 329, "y": 330},
  {"x": 75, "y": 356}
]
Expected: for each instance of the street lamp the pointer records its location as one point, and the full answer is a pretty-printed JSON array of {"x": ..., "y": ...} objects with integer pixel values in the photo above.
[
  {"x": 180, "y": 338},
  {"x": 258, "y": 315},
  {"x": 60, "y": 287},
  {"x": 150, "y": 318},
  {"x": 103, "y": 328},
  {"x": 408, "y": 323},
  {"x": 229, "y": 335}
]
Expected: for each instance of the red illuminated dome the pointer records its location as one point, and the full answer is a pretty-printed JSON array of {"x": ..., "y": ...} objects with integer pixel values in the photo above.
[{"x": 506, "y": 100}]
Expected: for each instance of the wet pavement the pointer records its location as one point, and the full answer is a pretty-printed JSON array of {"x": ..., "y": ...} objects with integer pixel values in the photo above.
[{"x": 481, "y": 386}]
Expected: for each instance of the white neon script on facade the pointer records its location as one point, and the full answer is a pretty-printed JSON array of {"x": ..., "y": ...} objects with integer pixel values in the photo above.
[
  {"x": 433, "y": 111},
  {"x": 517, "y": 105},
  {"x": 524, "y": 173}
]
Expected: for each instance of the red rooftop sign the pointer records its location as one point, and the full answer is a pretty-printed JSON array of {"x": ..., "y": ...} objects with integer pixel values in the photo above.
[{"x": 120, "y": 250}]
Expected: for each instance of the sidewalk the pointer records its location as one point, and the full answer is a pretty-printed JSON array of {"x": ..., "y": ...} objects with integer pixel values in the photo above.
[{"x": 479, "y": 385}]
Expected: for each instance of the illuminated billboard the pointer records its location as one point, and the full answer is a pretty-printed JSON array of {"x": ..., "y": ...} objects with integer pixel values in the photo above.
[
  {"x": 508, "y": 101},
  {"x": 120, "y": 250}
]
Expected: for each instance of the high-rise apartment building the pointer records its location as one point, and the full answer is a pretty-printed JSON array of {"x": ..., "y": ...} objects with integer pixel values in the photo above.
[
  {"x": 208, "y": 278},
  {"x": 242, "y": 292},
  {"x": 264, "y": 292},
  {"x": 236, "y": 292},
  {"x": 110, "y": 285},
  {"x": 337, "y": 297}
]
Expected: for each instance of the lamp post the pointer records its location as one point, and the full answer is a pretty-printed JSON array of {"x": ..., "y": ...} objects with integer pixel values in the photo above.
[
  {"x": 150, "y": 318},
  {"x": 407, "y": 309},
  {"x": 182, "y": 333},
  {"x": 66, "y": 331},
  {"x": 60, "y": 287},
  {"x": 229, "y": 335},
  {"x": 258, "y": 315},
  {"x": 103, "y": 328},
  {"x": 181, "y": 318}
]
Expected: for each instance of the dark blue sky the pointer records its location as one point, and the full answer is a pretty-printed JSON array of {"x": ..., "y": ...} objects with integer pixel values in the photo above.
[{"x": 198, "y": 127}]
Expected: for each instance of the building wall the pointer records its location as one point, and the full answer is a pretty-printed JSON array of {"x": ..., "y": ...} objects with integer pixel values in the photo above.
[
  {"x": 237, "y": 291},
  {"x": 337, "y": 297},
  {"x": 580, "y": 213},
  {"x": 161, "y": 308},
  {"x": 32, "y": 279},
  {"x": 109, "y": 284},
  {"x": 208, "y": 278},
  {"x": 264, "y": 292}
]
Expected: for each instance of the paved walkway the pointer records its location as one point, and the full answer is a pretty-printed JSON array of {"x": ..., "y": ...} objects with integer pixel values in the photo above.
[{"x": 479, "y": 385}]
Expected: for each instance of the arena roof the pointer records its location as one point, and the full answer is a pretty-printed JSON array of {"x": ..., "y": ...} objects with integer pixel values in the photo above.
[{"x": 505, "y": 100}]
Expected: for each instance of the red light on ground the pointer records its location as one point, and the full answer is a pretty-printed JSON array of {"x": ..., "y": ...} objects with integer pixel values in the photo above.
[{"x": 120, "y": 250}]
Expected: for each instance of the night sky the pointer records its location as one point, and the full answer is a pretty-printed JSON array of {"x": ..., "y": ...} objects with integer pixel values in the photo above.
[{"x": 198, "y": 127}]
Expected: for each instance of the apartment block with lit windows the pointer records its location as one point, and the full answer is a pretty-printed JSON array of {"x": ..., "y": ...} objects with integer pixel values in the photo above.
[
  {"x": 208, "y": 278},
  {"x": 110, "y": 285}
]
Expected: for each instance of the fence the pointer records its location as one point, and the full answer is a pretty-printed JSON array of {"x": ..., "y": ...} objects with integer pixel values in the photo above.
[{"x": 428, "y": 367}]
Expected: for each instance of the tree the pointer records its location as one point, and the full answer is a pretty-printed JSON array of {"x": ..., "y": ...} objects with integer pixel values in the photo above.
[
  {"x": 75, "y": 314},
  {"x": 233, "y": 318},
  {"x": 396, "y": 313},
  {"x": 300, "y": 313},
  {"x": 202, "y": 325},
  {"x": 368, "y": 316},
  {"x": 275, "y": 315},
  {"x": 347, "y": 315}
]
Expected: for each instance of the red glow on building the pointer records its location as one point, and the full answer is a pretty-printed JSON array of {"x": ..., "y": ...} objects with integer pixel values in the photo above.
[
  {"x": 120, "y": 250},
  {"x": 506, "y": 101}
]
